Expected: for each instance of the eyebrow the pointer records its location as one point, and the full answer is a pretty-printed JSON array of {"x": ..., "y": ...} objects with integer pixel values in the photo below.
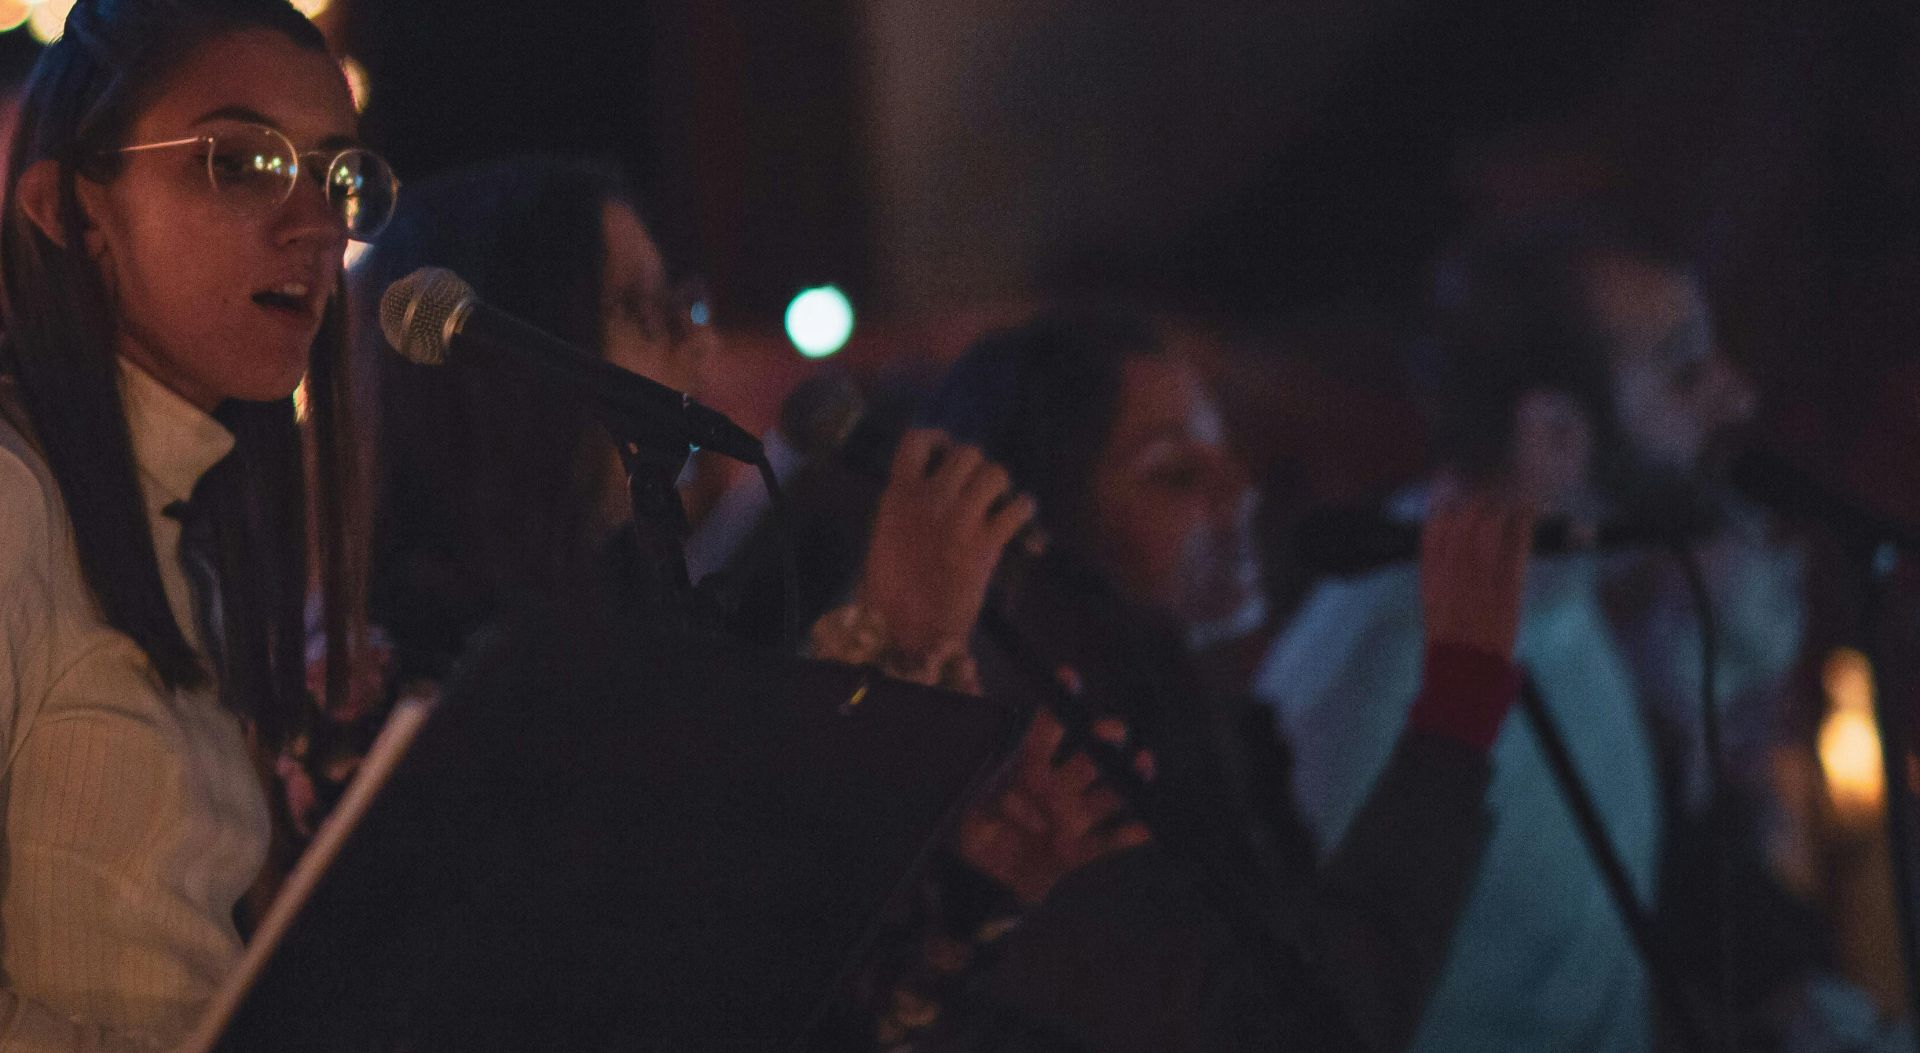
[{"x": 250, "y": 115}]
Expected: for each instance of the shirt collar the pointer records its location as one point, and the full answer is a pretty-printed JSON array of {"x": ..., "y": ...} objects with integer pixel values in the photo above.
[{"x": 174, "y": 441}]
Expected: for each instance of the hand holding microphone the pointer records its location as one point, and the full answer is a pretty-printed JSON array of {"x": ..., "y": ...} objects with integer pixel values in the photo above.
[
  {"x": 942, "y": 524},
  {"x": 1474, "y": 551}
]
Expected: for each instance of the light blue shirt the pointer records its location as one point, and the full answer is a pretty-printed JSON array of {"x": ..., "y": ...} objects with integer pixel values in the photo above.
[{"x": 1540, "y": 960}]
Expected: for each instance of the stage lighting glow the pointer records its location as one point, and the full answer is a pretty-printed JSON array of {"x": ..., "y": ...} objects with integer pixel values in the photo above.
[
  {"x": 819, "y": 321},
  {"x": 300, "y": 401},
  {"x": 356, "y": 82},
  {"x": 1850, "y": 740},
  {"x": 355, "y": 250},
  {"x": 14, "y": 14},
  {"x": 312, "y": 8},
  {"x": 48, "y": 19}
]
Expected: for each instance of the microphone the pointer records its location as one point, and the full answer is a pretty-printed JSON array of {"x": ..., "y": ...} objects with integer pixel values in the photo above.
[
  {"x": 1770, "y": 480},
  {"x": 1348, "y": 542},
  {"x": 433, "y": 313},
  {"x": 828, "y": 419},
  {"x": 821, "y": 413}
]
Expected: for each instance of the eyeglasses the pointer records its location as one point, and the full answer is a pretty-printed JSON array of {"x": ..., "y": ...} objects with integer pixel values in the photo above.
[
  {"x": 258, "y": 167},
  {"x": 688, "y": 308},
  {"x": 671, "y": 315}
]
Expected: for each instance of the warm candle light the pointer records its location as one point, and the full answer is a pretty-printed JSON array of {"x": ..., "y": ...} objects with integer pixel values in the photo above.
[{"x": 1849, "y": 738}]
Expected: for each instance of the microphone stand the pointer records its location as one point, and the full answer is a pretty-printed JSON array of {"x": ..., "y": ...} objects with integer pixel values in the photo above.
[
  {"x": 1682, "y": 1013},
  {"x": 655, "y": 565},
  {"x": 1875, "y": 545}
]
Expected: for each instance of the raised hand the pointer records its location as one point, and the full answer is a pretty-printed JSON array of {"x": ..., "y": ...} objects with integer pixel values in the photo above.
[
  {"x": 1473, "y": 565},
  {"x": 937, "y": 536}
]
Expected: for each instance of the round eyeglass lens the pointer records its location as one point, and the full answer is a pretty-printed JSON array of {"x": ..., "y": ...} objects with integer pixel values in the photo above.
[
  {"x": 363, "y": 189},
  {"x": 257, "y": 165}
]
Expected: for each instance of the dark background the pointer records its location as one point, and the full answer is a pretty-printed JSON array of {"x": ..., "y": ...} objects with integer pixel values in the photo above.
[
  {"x": 1283, "y": 170},
  {"x": 1279, "y": 172}
]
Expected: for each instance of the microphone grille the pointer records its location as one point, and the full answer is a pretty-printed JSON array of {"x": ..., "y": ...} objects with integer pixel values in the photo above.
[
  {"x": 821, "y": 413},
  {"x": 415, "y": 312}
]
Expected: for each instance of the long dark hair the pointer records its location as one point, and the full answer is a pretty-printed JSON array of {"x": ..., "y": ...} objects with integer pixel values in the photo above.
[
  {"x": 489, "y": 481},
  {"x": 1041, "y": 399},
  {"x": 85, "y": 93}
]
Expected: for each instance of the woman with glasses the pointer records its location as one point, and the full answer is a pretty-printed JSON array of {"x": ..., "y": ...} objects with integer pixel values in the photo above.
[
  {"x": 490, "y": 482},
  {"x": 487, "y": 482},
  {"x": 185, "y": 177}
]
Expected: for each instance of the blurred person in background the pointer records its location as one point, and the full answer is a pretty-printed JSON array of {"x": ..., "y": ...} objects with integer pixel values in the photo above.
[
  {"x": 1575, "y": 368},
  {"x": 489, "y": 483},
  {"x": 493, "y": 486},
  {"x": 481, "y": 484},
  {"x": 1117, "y": 440},
  {"x": 1678, "y": 400}
]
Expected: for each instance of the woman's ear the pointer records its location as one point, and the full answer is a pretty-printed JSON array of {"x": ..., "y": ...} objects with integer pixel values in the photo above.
[{"x": 39, "y": 196}]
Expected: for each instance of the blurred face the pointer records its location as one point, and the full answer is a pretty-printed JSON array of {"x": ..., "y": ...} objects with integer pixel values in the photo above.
[
  {"x": 216, "y": 300},
  {"x": 644, "y": 328},
  {"x": 1673, "y": 389},
  {"x": 1172, "y": 507},
  {"x": 643, "y": 322}
]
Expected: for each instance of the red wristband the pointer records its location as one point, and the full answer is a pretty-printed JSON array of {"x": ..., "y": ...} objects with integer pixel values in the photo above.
[{"x": 1464, "y": 694}]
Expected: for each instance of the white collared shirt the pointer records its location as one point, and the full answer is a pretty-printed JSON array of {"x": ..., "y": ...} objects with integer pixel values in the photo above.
[
  {"x": 134, "y": 817},
  {"x": 1539, "y": 960}
]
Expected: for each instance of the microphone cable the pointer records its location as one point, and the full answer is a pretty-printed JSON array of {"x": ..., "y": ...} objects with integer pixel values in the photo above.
[
  {"x": 1670, "y": 991},
  {"x": 777, "y": 518},
  {"x": 1719, "y": 812}
]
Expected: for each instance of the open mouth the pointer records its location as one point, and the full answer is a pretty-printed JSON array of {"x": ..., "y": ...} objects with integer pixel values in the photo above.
[{"x": 292, "y": 297}]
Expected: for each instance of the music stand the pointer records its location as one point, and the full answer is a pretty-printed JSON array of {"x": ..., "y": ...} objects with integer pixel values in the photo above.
[{"x": 606, "y": 837}]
